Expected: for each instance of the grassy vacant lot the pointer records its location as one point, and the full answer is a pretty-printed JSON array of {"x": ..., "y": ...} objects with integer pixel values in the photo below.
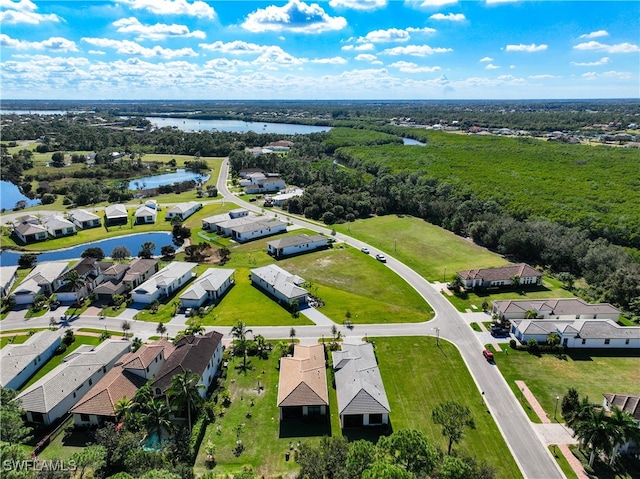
[
  {"x": 57, "y": 360},
  {"x": 590, "y": 372},
  {"x": 551, "y": 288},
  {"x": 426, "y": 248},
  {"x": 417, "y": 376}
]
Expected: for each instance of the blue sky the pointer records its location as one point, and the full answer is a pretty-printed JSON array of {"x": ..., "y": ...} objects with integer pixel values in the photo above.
[{"x": 319, "y": 50}]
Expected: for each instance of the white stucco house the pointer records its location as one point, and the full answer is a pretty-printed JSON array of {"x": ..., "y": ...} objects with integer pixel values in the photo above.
[
  {"x": 116, "y": 215},
  {"x": 565, "y": 308},
  {"x": 57, "y": 226},
  {"x": 84, "y": 219},
  {"x": 53, "y": 395},
  {"x": 292, "y": 245},
  {"x": 281, "y": 284},
  {"x": 145, "y": 215},
  {"x": 21, "y": 361},
  {"x": 210, "y": 223},
  {"x": 501, "y": 276},
  {"x": 270, "y": 184},
  {"x": 362, "y": 400},
  {"x": 8, "y": 277},
  {"x": 183, "y": 210},
  {"x": 30, "y": 232},
  {"x": 45, "y": 278},
  {"x": 165, "y": 282},
  {"x": 629, "y": 403},
  {"x": 209, "y": 287},
  {"x": 258, "y": 229}
]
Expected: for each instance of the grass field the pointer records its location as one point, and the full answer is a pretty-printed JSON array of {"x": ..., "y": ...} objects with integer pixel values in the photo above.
[
  {"x": 57, "y": 360},
  {"x": 417, "y": 376},
  {"x": 590, "y": 372},
  {"x": 435, "y": 253},
  {"x": 17, "y": 339}
]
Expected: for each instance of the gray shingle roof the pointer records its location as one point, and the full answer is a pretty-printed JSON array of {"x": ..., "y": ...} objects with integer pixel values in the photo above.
[
  {"x": 297, "y": 240},
  {"x": 15, "y": 357},
  {"x": 211, "y": 280},
  {"x": 282, "y": 281},
  {"x": 501, "y": 273}
]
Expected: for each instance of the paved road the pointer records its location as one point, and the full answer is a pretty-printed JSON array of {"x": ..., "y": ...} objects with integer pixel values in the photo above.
[{"x": 534, "y": 460}]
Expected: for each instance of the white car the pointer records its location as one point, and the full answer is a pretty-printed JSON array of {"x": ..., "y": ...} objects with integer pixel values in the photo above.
[
  {"x": 365, "y": 250},
  {"x": 381, "y": 258}
]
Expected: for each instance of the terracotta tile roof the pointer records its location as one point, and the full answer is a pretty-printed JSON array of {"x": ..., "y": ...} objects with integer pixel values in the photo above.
[
  {"x": 115, "y": 385},
  {"x": 303, "y": 377},
  {"x": 627, "y": 402}
]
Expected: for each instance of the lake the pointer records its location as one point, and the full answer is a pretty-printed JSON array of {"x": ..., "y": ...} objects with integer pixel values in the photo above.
[
  {"x": 132, "y": 242},
  {"x": 166, "y": 179},
  {"x": 11, "y": 195},
  {"x": 237, "y": 126},
  {"x": 411, "y": 141}
]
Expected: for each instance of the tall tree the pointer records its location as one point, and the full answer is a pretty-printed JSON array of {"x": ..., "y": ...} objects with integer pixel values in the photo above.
[
  {"x": 409, "y": 449},
  {"x": 92, "y": 457},
  {"x": 161, "y": 329},
  {"x": 239, "y": 333},
  {"x": 184, "y": 392},
  {"x": 453, "y": 417},
  {"x": 146, "y": 250},
  {"x": 157, "y": 417},
  {"x": 120, "y": 253},
  {"x": 624, "y": 428},
  {"x": 74, "y": 280},
  {"x": 596, "y": 432},
  {"x": 12, "y": 427}
]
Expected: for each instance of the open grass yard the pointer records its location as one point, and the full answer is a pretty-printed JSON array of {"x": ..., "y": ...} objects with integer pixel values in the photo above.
[
  {"x": 16, "y": 339},
  {"x": 590, "y": 372},
  {"x": 57, "y": 359},
  {"x": 418, "y": 376},
  {"x": 265, "y": 440},
  {"x": 551, "y": 288},
  {"x": 426, "y": 248},
  {"x": 349, "y": 281}
]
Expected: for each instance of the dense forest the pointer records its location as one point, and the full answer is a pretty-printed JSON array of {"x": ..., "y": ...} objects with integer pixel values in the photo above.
[{"x": 569, "y": 208}]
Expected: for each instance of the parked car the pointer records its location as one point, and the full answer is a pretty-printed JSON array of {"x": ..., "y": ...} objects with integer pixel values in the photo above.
[
  {"x": 54, "y": 305},
  {"x": 365, "y": 250},
  {"x": 381, "y": 258},
  {"x": 488, "y": 355}
]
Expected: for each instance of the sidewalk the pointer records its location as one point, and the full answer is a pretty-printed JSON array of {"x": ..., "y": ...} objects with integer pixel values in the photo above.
[{"x": 553, "y": 433}]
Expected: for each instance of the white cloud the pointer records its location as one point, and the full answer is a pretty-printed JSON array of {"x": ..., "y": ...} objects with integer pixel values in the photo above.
[
  {"x": 57, "y": 44},
  {"x": 486, "y": 59},
  {"x": 436, "y": 3},
  {"x": 24, "y": 11},
  {"x": 410, "y": 67},
  {"x": 602, "y": 47},
  {"x": 97, "y": 52},
  {"x": 173, "y": 7},
  {"x": 451, "y": 17},
  {"x": 385, "y": 36},
  {"x": 359, "y": 4},
  {"x": 596, "y": 34},
  {"x": 295, "y": 16},
  {"x": 416, "y": 50},
  {"x": 237, "y": 47},
  {"x": 495, "y": 2},
  {"x": 597, "y": 63},
  {"x": 609, "y": 74},
  {"x": 330, "y": 61},
  {"x": 491, "y": 66},
  {"x": 542, "y": 77},
  {"x": 526, "y": 48},
  {"x": 159, "y": 31},
  {"x": 366, "y": 57},
  {"x": 127, "y": 47}
]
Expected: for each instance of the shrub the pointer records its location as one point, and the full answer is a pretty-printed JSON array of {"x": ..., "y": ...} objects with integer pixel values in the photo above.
[
  {"x": 512, "y": 344},
  {"x": 197, "y": 434},
  {"x": 61, "y": 349}
]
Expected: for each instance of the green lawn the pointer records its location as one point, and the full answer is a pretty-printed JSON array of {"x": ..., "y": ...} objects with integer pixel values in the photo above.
[
  {"x": 590, "y": 372},
  {"x": 428, "y": 249},
  {"x": 65, "y": 445},
  {"x": 57, "y": 360},
  {"x": 17, "y": 339},
  {"x": 562, "y": 462}
]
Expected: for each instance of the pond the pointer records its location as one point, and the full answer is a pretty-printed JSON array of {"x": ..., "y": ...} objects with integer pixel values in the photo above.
[
  {"x": 11, "y": 195},
  {"x": 166, "y": 179},
  {"x": 411, "y": 141},
  {"x": 237, "y": 126},
  {"x": 132, "y": 242}
]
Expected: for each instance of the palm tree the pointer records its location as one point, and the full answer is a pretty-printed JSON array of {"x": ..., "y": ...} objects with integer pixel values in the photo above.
[
  {"x": 184, "y": 392},
  {"x": 157, "y": 417},
  {"x": 239, "y": 332},
  {"x": 74, "y": 280},
  {"x": 126, "y": 326},
  {"x": 553, "y": 339},
  {"x": 457, "y": 283},
  {"x": 580, "y": 413},
  {"x": 596, "y": 432},
  {"x": 123, "y": 407},
  {"x": 261, "y": 344},
  {"x": 161, "y": 329},
  {"x": 625, "y": 428},
  {"x": 292, "y": 335}
]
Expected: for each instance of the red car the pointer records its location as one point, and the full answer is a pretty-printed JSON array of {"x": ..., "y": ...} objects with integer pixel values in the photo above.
[{"x": 488, "y": 355}]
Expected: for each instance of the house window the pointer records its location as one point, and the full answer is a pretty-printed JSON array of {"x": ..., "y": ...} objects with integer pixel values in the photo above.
[
  {"x": 626, "y": 341},
  {"x": 315, "y": 410},
  {"x": 158, "y": 392},
  {"x": 375, "y": 418},
  {"x": 37, "y": 417},
  {"x": 90, "y": 381},
  {"x": 607, "y": 341},
  {"x": 584, "y": 341},
  {"x": 84, "y": 417}
]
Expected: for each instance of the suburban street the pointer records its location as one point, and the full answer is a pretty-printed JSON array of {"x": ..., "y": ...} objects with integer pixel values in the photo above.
[{"x": 532, "y": 456}]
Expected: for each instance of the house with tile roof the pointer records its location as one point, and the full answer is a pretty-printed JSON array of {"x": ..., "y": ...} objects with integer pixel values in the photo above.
[
  {"x": 53, "y": 395},
  {"x": 84, "y": 219},
  {"x": 129, "y": 374},
  {"x": 302, "y": 386},
  {"x": 501, "y": 276},
  {"x": 57, "y": 226},
  {"x": 8, "y": 277},
  {"x": 258, "y": 229},
  {"x": 165, "y": 282},
  {"x": 183, "y": 210},
  {"x": 629, "y": 403},
  {"x": 44, "y": 278},
  {"x": 284, "y": 286},
  {"x": 200, "y": 354},
  {"x": 21, "y": 361},
  {"x": 298, "y": 244},
  {"x": 564, "y": 308},
  {"x": 362, "y": 400},
  {"x": 90, "y": 270},
  {"x": 116, "y": 215},
  {"x": 209, "y": 287}
]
